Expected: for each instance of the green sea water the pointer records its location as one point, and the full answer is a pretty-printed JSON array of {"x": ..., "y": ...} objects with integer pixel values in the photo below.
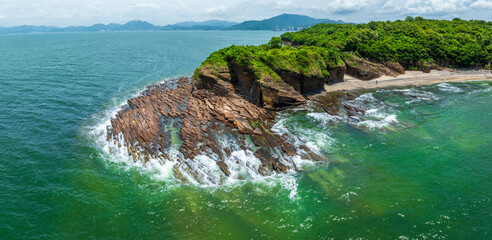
[{"x": 416, "y": 165}]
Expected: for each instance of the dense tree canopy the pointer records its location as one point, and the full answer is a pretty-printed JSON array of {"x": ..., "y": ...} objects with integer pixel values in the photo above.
[
  {"x": 266, "y": 60},
  {"x": 456, "y": 43}
]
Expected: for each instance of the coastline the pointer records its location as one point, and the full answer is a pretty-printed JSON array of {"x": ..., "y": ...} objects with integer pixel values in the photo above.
[{"x": 410, "y": 78}]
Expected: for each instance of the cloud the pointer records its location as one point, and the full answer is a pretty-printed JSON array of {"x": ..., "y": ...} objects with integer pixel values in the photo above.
[
  {"x": 162, "y": 12},
  {"x": 217, "y": 9},
  {"x": 436, "y": 7},
  {"x": 348, "y": 6},
  {"x": 389, "y": 7},
  {"x": 146, "y": 5},
  {"x": 482, "y": 4}
]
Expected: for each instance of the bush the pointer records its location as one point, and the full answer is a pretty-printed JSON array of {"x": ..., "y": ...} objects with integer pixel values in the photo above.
[{"x": 275, "y": 42}]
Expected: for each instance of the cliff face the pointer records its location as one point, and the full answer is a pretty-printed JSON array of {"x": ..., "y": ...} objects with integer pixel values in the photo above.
[
  {"x": 226, "y": 107},
  {"x": 366, "y": 70},
  {"x": 195, "y": 117}
]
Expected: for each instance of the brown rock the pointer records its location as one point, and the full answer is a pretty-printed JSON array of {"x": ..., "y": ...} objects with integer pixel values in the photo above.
[
  {"x": 223, "y": 166},
  {"x": 258, "y": 131},
  {"x": 366, "y": 70},
  {"x": 312, "y": 155},
  {"x": 195, "y": 116}
]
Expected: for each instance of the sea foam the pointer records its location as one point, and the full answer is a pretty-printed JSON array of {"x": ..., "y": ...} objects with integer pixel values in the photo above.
[{"x": 242, "y": 164}]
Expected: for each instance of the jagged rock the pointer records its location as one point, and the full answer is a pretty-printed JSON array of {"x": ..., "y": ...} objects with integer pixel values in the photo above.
[
  {"x": 288, "y": 148},
  {"x": 337, "y": 74},
  {"x": 312, "y": 155},
  {"x": 258, "y": 131},
  {"x": 195, "y": 116},
  {"x": 280, "y": 167},
  {"x": 366, "y": 70},
  {"x": 329, "y": 101},
  {"x": 223, "y": 166},
  {"x": 395, "y": 67}
]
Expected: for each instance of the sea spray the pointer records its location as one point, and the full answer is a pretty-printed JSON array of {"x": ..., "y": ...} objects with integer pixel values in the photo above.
[{"x": 173, "y": 168}]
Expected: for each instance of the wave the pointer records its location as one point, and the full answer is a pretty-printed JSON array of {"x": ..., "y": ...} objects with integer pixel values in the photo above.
[
  {"x": 446, "y": 87},
  {"x": 372, "y": 113},
  {"x": 202, "y": 171},
  {"x": 417, "y": 95},
  {"x": 303, "y": 126}
]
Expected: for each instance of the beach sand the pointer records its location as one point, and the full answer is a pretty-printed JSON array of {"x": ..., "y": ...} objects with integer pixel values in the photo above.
[{"x": 411, "y": 78}]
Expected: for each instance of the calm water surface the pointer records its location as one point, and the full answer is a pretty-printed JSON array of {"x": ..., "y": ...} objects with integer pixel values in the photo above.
[{"x": 416, "y": 165}]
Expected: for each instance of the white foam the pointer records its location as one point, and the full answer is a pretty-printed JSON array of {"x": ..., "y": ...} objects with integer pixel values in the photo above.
[
  {"x": 449, "y": 88},
  {"x": 290, "y": 184},
  {"x": 374, "y": 113},
  {"x": 313, "y": 138},
  {"x": 417, "y": 95},
  {"x": 203, "y": 170},
  {"x": 324, "y": 118},
  {"x": 388, "y": 120},
  {"x": 366, "y": 97}
]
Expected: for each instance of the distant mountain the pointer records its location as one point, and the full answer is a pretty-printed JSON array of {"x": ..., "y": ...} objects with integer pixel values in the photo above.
[
  {"x": 26, "y": 29},
  {"x": 129, "y": 26},
  {"x": 282, "y": 22},
  {"x": 206, "y": 25},
  {"x": 213, "y": 22}
]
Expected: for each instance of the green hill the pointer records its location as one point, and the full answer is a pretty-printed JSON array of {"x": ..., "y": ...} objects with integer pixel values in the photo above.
[
  {"x": 415, "y": 41},
  {"x": 281, "y": 22}
]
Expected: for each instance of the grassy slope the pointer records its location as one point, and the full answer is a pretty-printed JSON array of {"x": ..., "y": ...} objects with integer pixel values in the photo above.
[{"x": 267, "y": 60}]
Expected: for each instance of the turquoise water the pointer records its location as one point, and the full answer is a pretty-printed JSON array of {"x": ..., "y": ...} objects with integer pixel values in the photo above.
[{"x": 417, "y": 164}]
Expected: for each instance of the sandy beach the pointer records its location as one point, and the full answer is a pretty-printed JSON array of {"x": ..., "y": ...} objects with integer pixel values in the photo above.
[{"x": 412, "y": 78}]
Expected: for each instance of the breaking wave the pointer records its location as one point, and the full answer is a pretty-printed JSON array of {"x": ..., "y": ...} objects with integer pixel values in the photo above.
[
  {"x": 373, "y": 113},
  {"x": 417, "y": 95},
  {"x": 446, "y": 87},
  {"x": 304, "y": 126},
  {"x": 202, "y": 171}
]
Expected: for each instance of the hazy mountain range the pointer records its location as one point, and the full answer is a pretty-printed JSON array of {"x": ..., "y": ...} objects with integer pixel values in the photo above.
[{"x": 281, "y": 22}]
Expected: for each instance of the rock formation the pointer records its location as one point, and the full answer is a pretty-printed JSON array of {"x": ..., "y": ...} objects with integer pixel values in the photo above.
[
  {"x": 366, "y": 70},
  {"x": 194, "y": 117},
  {"x": 225, "y": 109}
]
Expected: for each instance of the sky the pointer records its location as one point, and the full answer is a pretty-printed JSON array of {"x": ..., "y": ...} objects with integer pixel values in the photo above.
[{"x": 162, "y": 12}]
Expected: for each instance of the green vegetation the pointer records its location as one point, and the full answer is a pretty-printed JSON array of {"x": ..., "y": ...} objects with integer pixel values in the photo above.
[
  {"x": 267, "y": 61},
  {"x": 413, "y": 41}
]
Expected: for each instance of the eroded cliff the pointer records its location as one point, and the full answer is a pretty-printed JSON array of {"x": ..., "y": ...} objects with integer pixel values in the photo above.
[{"x": 229, "y": 105}]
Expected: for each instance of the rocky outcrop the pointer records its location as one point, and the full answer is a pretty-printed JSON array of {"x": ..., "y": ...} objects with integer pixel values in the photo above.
[
  {"x": 395, "y": 67},
  {"x": 223, "y": 110},
  {"x": 197, "y": 116},
  {"x": 337, "y": 74},
  {"x": 366, "y": 70}
]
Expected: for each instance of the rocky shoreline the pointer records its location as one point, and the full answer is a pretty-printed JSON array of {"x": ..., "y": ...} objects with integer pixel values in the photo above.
[{"x": 220, "y": 112}]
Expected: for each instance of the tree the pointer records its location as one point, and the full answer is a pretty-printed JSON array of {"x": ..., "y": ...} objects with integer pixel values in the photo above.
[{"x": 275, "y": 42}]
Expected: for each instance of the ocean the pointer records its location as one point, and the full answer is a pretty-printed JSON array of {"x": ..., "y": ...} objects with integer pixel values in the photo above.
[{"x": 417, "y": 163}]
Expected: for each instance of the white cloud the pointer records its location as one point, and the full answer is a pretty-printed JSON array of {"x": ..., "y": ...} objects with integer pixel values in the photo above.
[
  {"x": 217, "y": 9},
  {"x": 389, "y": 7},
  {"x": 146, "y": 5},
  {"x": 436, "y": 7},
  {"x": 347, "y": 6},
  {"x": 482, "y": 4},
  {"x": 162, "y": 12}
]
